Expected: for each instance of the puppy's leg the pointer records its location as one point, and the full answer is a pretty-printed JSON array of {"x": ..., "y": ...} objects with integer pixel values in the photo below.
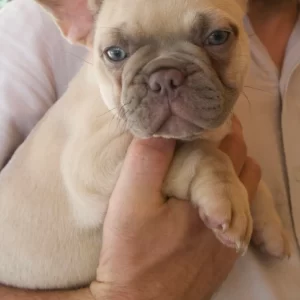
[
  {"x": 268, "y": 232},
  {"x": 205, "y": 175}
]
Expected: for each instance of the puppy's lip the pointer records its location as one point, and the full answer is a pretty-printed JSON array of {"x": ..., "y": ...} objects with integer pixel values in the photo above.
[{"x": 173, "y": 125}]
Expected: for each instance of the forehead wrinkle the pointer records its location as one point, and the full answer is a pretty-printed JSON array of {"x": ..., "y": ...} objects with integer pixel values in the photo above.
[
  {"x": 137, "y": 37},
  {"x": 206, "y": 21},
  {"x": 201, "y": 24},
  {"x": 113, "y": 36},
  {"x": 140, "y": 25}
]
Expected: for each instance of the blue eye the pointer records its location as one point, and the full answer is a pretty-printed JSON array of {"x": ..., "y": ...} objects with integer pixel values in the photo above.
[
  {"x": 115, "y": 54},
  {"x": 218, "y": 37}
]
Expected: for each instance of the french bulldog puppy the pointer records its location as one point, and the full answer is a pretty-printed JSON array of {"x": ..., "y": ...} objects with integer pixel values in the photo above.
[{"x": 171, "y": 69}]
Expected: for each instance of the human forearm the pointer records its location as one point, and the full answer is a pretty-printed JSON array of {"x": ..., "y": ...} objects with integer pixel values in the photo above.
[{"x": 7, "y": 293}]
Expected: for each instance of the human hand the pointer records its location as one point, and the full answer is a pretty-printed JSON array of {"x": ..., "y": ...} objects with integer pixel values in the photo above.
[{"x": 157, "y": 249}]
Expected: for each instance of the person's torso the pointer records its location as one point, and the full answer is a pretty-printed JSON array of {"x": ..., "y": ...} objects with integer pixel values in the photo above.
[{"x": 269, "y": 110}]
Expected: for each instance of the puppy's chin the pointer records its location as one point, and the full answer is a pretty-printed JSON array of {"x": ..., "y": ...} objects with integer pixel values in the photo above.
[
  {"x": 173, "y": 127},
  {"x": 188, "y": 132},
  {"x": 176, "y": 128}
]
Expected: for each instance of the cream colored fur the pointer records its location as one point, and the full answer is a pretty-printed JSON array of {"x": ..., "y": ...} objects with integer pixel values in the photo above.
[{"x": 55, "y": 190}]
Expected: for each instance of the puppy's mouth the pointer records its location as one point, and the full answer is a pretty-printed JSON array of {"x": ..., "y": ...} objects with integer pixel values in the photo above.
[
  {"x": 176, "y": 126},
  {"x": 173, "y": 105},
  {"x": 180, "y": 114},
  {"x": 172, "y": 118}
]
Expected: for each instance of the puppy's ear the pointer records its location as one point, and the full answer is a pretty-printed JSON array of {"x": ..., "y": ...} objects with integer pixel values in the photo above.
[{"x": 75, "y": 18}]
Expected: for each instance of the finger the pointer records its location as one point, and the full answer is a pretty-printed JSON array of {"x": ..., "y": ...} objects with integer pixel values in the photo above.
[
  {"x": 237, "y": 127},
  {"x": 143, "y": 172},
  {"x": 234, "y": 146},
  {"x": 250, "y": 176}
]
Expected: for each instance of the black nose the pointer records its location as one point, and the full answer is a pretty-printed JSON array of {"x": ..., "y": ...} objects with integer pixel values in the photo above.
[{"x": 166, "y": 81}]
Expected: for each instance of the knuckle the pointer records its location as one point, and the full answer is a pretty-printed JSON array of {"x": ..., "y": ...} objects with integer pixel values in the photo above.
[
  {"x": 238, "y": 143},
  {"x": 237, "y": 126},
  {"x": 254, "y": 167},
  {"x": 236, "y": 121}
]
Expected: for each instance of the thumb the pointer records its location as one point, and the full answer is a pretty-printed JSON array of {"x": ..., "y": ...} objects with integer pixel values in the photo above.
[{"x": 143, "y": 172}]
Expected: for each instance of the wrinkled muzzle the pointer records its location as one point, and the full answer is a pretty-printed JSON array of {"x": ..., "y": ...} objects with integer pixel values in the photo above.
[{"x": 176, "y": 95}]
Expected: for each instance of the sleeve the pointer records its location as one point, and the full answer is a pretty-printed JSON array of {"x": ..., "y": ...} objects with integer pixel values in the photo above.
[{"x": 33, "y": 71}]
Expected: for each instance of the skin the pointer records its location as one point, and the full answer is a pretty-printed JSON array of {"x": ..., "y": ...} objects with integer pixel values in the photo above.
[
  {"x": 147, "y": 278},
  {"x": 274, "y": 18},
  {"x": 271, "y": 6}
]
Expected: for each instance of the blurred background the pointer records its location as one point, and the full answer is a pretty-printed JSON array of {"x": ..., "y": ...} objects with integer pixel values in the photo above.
[{"x": 3, "y": 2}]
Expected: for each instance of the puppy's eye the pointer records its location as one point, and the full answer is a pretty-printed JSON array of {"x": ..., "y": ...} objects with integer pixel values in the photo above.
[
  {"x": 115, "y": 54},
  {"x": 217, "y": 38}
]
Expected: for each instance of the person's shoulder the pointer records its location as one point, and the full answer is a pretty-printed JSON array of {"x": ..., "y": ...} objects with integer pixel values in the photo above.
[
  {"x": 24, "y": 20},
  {"x": 31, "y": 42},
  {"x": 23, "y": 14}
]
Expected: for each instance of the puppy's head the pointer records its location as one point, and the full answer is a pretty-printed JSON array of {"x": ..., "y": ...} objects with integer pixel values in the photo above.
[{"x": 170, "y": 68}]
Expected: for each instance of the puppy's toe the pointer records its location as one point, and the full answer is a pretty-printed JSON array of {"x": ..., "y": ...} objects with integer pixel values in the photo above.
[
  {"x": 239, "y": 233},
  {"x": 216, "y": 214},
  {"x": 225, "y": 209},
  {"x": 271, "y": 239}
]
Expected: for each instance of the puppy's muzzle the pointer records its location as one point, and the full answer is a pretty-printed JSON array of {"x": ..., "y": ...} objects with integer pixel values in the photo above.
[{"x": 173, "y": 96}]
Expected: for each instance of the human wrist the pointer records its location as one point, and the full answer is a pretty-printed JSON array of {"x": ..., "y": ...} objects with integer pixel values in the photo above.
[{"x": 103, "y": 291}]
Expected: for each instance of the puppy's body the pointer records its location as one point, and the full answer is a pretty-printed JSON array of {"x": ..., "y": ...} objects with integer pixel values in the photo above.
[
  {"x": 43, "y": 225},
  {"x": 55, "y": 190}
]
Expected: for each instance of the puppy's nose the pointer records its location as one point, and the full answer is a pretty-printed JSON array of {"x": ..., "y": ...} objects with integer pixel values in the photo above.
[{"x": 166, "y": 81}]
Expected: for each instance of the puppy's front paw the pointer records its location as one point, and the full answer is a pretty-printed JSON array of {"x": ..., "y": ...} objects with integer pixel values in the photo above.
[
  {"x": 224, "y": 207},
  {"x": 205, "y": 175},
  {"x": 268, "y": 232},
  {"x": 270, "y": 237}
]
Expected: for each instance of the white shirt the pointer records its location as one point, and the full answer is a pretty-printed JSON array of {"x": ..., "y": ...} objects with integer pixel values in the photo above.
[
  {"x": 269, "y": 110},
  {"x": 36, "y": 68},
  {"x": 36, "y": 65}
]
